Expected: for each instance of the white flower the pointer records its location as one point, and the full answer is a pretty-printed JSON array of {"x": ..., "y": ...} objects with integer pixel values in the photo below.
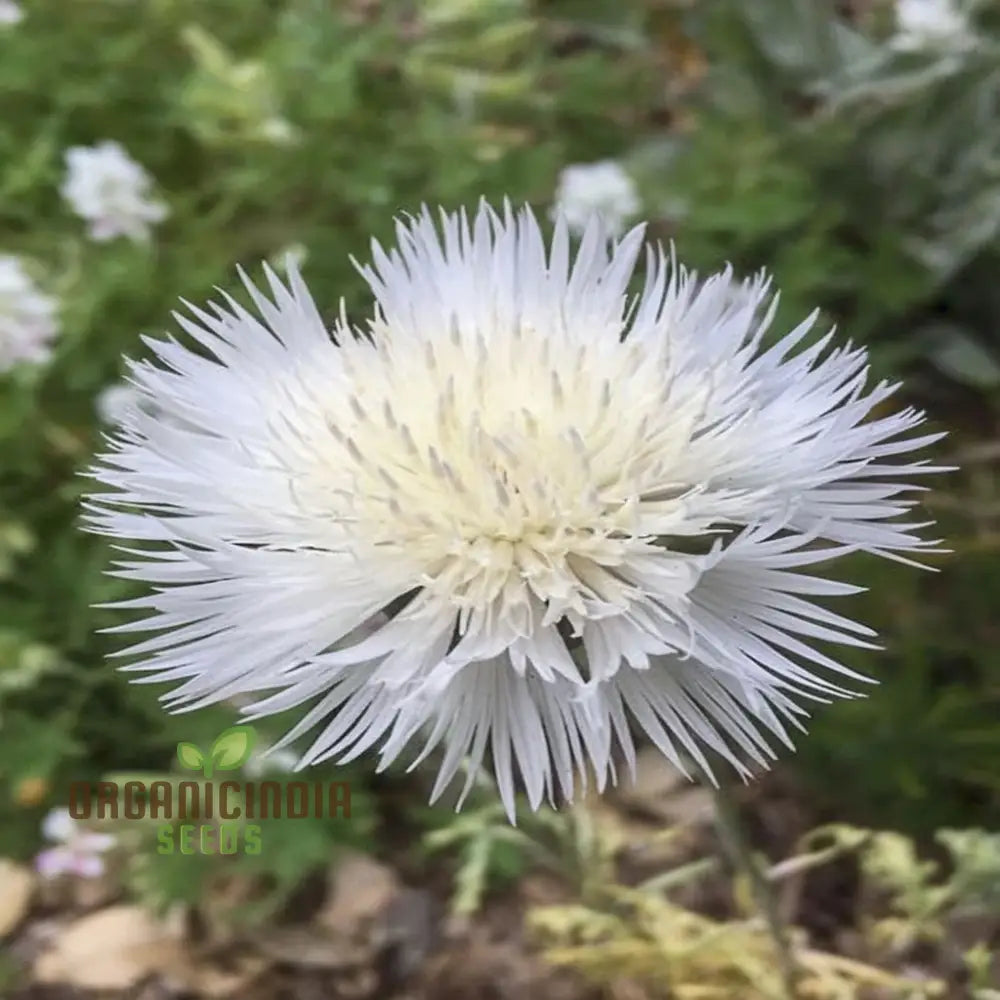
[
  {"x": 10, "y": 13},
  {"x": 111, "y": 191},
  {"x": 294, "y": 255},
  {"x": 115, "y": 402},
  {"x": 602, "y": 188},
  {"x": 514, "y": 458},
  {"x": 278, "y": 130},
  {"x": 79, "y": 852},
  {"x": 923, "y": 24},
  {"x": 271, "y": 760},
  {"x": 28, "y": 317}
]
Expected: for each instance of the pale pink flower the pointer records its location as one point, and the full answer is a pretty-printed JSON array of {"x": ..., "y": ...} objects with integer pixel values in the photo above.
[{"x": 79, "y": 851}]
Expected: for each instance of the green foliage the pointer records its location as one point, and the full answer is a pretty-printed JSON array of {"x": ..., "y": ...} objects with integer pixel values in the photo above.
[
  {"x": 919, "y": 750},
  {"x": 822, "y": 151},
  {"x": 628, "y": 937},
  {"x": 265, "y": 126},
  {"x": 864, "y": 176},
  {"x": 490, "y": 852},
  {"x": 251, "y": 885},
  {"x": 920, "y": 897},
  {"x": 623, "y": 936}
]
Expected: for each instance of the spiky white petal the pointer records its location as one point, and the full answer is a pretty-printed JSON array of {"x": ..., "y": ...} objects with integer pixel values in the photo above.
[{"x": 514, "y": 453}]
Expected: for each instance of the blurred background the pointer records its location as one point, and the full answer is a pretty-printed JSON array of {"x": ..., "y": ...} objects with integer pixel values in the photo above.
[{"x": 147, "y": 147}]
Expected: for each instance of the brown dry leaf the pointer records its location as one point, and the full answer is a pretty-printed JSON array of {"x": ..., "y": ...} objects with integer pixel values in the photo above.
[
  {"x": 215, "y": 983},
  {"x": 694, "y": 806},
  {"x": 311, "y": 948},
  {"x": 111, "y": 949},
  {"x": 344, "y": 934},
  {"x": 91, "y": 893},
  {"x": 408, "y": 931},
  {"x": 481, "y": 965},
  {"x": 656, "y": 780},
  {"x": 542, "y": 889},
  {"x": 360, "y": 892},
  {"x": 225, "y": 896},
  {"x": 16, "y": 886}
]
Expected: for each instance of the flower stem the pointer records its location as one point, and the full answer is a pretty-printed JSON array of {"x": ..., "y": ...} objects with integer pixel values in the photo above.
[{"x": 727, "y": 818}]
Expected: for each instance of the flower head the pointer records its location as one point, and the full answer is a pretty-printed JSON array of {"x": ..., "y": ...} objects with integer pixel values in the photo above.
[
  {"x": 571, "y": 508},
  {"x": 28, "y": 321},
  {"x": 114, "y": 402},
  {"x": 80, "y": 852},
  {"x": 105, "y": 186},
  {"x": 928, "y": 24},
  {"x": 603, "y": 188},
  {"x": 10, "y": 13},
  {"x": 270, "y": 760}
]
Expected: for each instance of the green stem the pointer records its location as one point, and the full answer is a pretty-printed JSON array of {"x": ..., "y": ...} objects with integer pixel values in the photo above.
[{"x": 727, "y": 818}]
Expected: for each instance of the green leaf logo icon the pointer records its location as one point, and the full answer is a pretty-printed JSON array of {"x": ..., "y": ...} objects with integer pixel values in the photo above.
[
  {"x": 232, "y": 748},
  {"x": 229, "y": 751},
  {"x": 190, "y": 756}
]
